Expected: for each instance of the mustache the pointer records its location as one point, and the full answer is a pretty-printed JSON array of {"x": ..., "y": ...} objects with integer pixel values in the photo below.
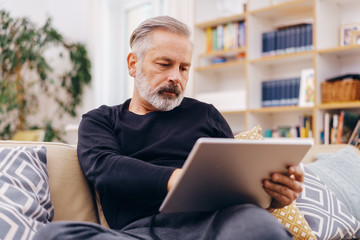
[{"x": 171, "y": 88}]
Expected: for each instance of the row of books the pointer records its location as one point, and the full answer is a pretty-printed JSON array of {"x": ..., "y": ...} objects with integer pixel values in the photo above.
[
  {"x": 292, "y": 39},
  {"x": 225, "y": 36},
  {"x": 283, "y": 92},
  {"x": 302, "y": 130},
  {"x": 343, "y": 127}
]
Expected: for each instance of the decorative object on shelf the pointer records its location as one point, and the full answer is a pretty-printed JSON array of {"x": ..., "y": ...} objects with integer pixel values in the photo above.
[
  {"x": 344, "y": 88},
  {"x": 307, "y": 88},
  {"x": 355, "y": 37},
  {"x": 346, "y": 33},
  {"x": 27, "y": 55}
]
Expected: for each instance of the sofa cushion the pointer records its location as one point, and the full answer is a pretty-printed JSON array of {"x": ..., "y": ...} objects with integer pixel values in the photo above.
[
  {"x": 340, "y": 172},
  {"x": 70, "y": 193},
  {"x": 25, "y": 202},
  {"x": 327, "y": 216}
]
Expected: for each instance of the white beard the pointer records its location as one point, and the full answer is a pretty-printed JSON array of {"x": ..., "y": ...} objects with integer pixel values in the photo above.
[{"x": 154, "y": 96}]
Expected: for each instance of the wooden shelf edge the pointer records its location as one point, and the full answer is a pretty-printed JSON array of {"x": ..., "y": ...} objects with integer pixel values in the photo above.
[
  {"x": 339, "y": 105},
  {"x": 280, "y": 109},
  {"x": 233, "y": 112},
  {"x": 222, "y": 20},
  {"x": 282, "y": 56},
  {"x": 221, "y": 65},
  {"x": 338, "y": 49},
  {"x": 224, "y": 52}
]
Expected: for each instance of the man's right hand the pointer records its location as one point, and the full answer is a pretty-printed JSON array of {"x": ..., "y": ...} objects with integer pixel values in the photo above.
[{"x": 173, "y": 178}]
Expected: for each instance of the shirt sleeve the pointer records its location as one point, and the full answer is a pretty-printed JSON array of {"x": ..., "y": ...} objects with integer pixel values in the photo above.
[{"x": 111, "y": 172}]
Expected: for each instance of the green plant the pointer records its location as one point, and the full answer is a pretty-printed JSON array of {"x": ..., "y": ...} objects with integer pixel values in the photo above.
[{"x": 26, "y": 73}]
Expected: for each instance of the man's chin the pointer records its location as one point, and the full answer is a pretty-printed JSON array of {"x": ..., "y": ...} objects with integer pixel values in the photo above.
[{"x": 169, "y": 104}]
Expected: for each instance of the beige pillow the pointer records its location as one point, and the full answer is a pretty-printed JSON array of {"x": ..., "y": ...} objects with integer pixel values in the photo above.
[{"x": 290, "y": 216}]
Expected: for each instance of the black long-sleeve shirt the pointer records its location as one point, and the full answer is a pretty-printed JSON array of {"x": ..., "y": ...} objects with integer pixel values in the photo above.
[{"x": 129, "y": 158}]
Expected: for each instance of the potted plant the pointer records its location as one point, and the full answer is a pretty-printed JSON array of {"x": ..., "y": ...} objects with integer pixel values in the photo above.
[{"x": 27, "y": 74}]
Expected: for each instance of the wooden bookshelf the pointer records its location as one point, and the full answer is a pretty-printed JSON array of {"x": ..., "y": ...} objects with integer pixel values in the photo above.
[{"x": 327, "y": 58}]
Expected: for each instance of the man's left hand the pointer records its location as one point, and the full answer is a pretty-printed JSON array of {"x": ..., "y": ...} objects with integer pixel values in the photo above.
[{"x": 285, "y": 188}]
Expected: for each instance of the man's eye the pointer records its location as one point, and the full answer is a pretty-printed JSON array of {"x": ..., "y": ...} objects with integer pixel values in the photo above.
[
  {"x": 164, "y": 64},
  {"x": 184, "y": 69}
]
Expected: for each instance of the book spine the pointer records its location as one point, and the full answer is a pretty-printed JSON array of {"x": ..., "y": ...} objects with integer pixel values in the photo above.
[
  {"x": 309, "y": 37},
  {"x": 333, "y": 131},
  {"x": 264, "y": 90},
  {"x": 220, "y": 37},
  {"x": 340, "y": 128},
  {"x": 214, "y": 40},
  {"x": 208, "y": 40},
  {"x": 326, "y": 128}
]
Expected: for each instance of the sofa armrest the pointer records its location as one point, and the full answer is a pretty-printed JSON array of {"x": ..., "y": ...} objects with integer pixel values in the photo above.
[{"x": 69, "y": 190}]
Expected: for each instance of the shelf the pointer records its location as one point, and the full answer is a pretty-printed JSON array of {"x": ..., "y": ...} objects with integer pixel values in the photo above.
[
  {"x": 223, "y": 20},
  {"x": 233, "y": 112},
  {"x": 286, "y": 9},
  {"x": 339, "y": 105},
  {"x": 284, "y": 58},
  {"x": 215, "y": 66},
  {"x": 341, "y": 51},
  {"x": 281, "y": 109},
  {"x": 221, "y": 53}
]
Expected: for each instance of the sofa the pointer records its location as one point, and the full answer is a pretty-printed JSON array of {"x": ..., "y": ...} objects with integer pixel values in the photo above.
[{"x": 72, "y": 197}]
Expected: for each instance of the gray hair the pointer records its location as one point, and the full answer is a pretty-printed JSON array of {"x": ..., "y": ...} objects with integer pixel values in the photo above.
[{"x": 140, "y": 38}]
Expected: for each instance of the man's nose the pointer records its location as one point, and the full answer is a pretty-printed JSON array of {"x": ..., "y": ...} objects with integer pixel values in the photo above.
[{"x": 175, "y": 76}]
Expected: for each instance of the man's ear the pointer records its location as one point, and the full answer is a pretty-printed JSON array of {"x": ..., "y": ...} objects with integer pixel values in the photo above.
[{"x": 131, "y": 62}]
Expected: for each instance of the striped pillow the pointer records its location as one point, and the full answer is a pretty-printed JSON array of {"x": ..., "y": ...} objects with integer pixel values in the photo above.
[{"x": 25, "y": 202}]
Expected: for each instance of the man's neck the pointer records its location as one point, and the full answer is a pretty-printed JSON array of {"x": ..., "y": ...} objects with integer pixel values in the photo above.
[{"x": 140, "y": 108}]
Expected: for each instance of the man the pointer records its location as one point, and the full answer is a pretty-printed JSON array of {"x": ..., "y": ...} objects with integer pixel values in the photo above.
[{"x": 133, "y": 153}]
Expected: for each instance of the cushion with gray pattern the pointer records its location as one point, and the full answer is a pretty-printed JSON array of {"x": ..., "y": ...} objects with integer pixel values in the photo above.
[
  {"x": 25, "y": 202},
  {"x": 327, "y": 216}
]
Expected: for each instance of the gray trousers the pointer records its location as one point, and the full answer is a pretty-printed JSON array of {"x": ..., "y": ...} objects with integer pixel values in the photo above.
[{"x": 244, "y": 221}]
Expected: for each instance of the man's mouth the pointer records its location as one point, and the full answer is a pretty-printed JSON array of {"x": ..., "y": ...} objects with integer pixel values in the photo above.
[{"x": 170, "y": 91}]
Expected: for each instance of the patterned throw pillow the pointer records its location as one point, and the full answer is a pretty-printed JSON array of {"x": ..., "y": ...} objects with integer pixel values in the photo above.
[
  {"x": 294, "y": 221},
  {"x": 25, "y": 202},
  {"x": 327, "y": 216},
  {"x": 290, "y": 216}
]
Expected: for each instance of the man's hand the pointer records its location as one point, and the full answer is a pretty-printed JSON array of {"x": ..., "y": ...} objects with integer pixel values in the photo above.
[
  {"x": 285, "y": 188},
  {"x": 173, "y": 178}
]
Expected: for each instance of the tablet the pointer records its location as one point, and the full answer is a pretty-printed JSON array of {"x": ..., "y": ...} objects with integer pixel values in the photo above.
[{"x": 221, "y": 172}]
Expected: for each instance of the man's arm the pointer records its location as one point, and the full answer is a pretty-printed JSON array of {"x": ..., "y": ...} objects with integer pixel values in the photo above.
[
  {"x": 285, "y": 188},
  {"x": 109, "y": 170}
]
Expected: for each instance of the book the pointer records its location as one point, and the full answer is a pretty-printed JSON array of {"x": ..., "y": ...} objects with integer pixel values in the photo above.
[
  {"x": 307, "y": 88},
  {"x": 355, "y": 136},
  {"x": 326, "y": 128},
  {"x": 208, "y": 33},
  {"x": 347, "y": 124},
  {"x": 334, "y": 127}
]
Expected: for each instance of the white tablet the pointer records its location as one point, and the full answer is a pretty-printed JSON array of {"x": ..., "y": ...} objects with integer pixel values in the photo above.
[{"x": 221, "y": 172}]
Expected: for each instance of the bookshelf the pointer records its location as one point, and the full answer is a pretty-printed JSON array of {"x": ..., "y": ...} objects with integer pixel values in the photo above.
[{"x": 240, "y": 79}]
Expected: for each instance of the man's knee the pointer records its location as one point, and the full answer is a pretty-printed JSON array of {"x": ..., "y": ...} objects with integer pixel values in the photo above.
[{"x": 248, "y": 221}]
